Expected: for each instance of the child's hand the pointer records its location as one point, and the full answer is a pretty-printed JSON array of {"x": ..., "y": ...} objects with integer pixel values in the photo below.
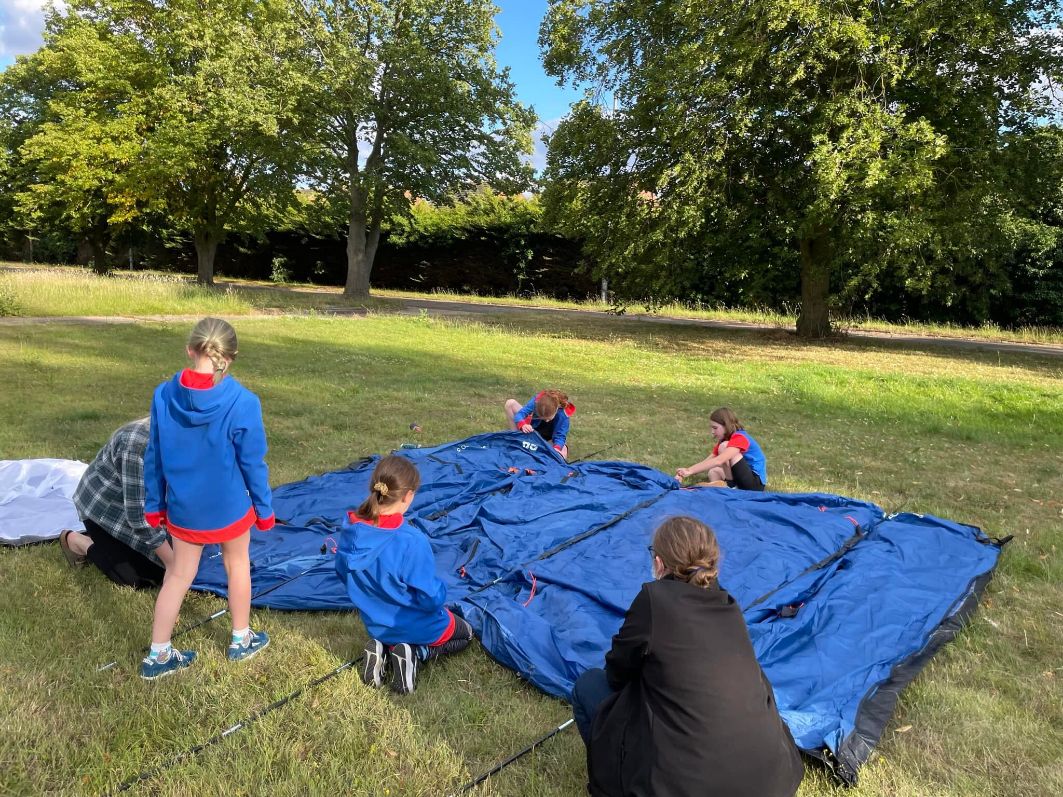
[
  {"x": 525, "y": 427},
  {"x": 681, "y": 473}
]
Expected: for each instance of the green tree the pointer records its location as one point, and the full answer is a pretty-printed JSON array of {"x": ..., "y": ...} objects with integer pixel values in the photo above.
[
  {"x": 68, "y": 139},
  {"x": 182, "y": 109},
  {"x": 410, "y": 104},
  {"x": 856, "y": 132}
]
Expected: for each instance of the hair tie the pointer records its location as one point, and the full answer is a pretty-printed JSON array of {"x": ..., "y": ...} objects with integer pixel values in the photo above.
[{"x": 381, "y": 488}]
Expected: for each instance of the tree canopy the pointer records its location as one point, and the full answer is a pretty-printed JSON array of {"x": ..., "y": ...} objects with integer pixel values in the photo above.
[
  {"x": 860, "y": 137},
  {"x": 409, "y": 103}
]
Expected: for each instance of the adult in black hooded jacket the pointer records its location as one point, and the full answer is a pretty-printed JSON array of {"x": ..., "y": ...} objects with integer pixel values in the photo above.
[{"x": 682, "y": 707}]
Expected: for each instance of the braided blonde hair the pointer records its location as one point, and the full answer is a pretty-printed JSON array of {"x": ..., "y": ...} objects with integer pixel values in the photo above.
[
  {"x": 688, "y": 550},
  {"x": 215, "y": 339}
]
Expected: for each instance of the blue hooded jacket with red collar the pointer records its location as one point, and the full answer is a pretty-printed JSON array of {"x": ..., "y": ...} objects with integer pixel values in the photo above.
[
  {"x": 390, "y": 574},
  {"x": 204, "y": 467},
  {"x": 558, "y": 426}
]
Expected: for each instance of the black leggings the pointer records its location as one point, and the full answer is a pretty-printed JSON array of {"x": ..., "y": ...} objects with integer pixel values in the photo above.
[
  {"x": 120, "y": 563},
  {"x": 458, "y": 641},
  {"x": 743, "y": 477}
]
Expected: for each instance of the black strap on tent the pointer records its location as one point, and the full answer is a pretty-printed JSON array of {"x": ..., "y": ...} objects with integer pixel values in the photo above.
[
  {"x": 442, "y": 461},
  {"x": 148, "y": 774},
  {"x": 502, "y": 765},
  {"x": 825, "y": 562},
  {"x": 472, "y": 552},
  {"x": 442, "y": 513},
  {"x": 570, "y": 542}
]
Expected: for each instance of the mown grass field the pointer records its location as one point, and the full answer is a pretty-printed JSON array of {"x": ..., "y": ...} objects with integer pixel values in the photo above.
[
  {"x": 974, "y": 437},
  {"x": 73, "y": 291}
]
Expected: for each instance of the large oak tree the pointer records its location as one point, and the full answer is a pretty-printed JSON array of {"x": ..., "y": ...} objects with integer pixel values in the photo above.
[{"x": 866, "y": 134}]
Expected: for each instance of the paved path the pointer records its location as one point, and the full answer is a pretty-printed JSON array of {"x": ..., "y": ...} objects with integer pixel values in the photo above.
[{"x": 459, "y": 308}]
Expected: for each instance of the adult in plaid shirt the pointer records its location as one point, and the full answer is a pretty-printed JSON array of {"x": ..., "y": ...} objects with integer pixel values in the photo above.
[{"x": 110, "y": 501}]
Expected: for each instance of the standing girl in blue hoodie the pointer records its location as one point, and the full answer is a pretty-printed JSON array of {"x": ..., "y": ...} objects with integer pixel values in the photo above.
[
  {"x": 390, "y": 574},
  {"x": 205, "y": 477}
]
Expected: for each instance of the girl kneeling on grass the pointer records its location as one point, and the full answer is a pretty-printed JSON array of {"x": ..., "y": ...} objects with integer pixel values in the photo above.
[
  {"x": 547, "y": 413},
  {"x": 390, "y": 574},
  {"x": 736, "y": 459},
  {"x": 682, "y": 707},
  {"x": 205, "y": 477}
]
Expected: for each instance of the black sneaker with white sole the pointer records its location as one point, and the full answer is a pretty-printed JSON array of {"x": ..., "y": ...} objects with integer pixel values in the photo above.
[
  {"x": 374, "y": 664},
  {"x": 403, "y": 663}
]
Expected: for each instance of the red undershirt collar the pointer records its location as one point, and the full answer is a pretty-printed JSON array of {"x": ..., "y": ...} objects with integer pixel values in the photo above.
[
  {"x": 392, "y": 521},
  {"x": 196, "y": 380}
]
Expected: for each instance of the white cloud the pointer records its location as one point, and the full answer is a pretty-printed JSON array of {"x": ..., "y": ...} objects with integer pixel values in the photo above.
[{"x": 21, "y": 25}]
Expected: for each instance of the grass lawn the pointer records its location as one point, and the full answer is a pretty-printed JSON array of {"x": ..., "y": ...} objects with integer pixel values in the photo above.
[
  {"x": 73, "y": 291},
  {"x": 70, "y": 291},
  {"x": 974, "y": 437}
]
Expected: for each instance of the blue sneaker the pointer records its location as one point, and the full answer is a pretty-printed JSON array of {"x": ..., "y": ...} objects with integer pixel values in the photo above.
[
  {"x": 152, "y": 668},
  {"x": 252, "y": 643}
]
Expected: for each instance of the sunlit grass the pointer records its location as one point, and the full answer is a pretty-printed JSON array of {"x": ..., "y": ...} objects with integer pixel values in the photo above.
[
  {"x": 70, "y": 291},
  {"x": 971, "y": 436},
  {"x": 73, "y": 293}
]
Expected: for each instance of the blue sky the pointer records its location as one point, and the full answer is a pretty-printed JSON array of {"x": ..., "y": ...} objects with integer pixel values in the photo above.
[{"x": 519, "y": 50}]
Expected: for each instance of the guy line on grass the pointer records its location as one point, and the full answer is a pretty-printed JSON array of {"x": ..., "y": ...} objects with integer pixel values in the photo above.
[
  {"x": 211, "y": 617},
  {"x": 148, "y": 774}
]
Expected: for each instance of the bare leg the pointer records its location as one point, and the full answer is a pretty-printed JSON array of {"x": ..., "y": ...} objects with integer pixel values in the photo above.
[
  {"x": 718, "y": 474},
  {"x": 175, "y": 584},
  {"x": 238, "y": 571},
  {"x": 512, "y": 408}
]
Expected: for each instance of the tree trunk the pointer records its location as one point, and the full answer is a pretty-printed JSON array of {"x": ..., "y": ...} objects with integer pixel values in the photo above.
[
  {"x": 99, "y": 256},
  {"x": 814, "y": 319},
  {"x": 363, "y": 237},
  {"x": 206, "y": 248},
  {"x": 359, "y": 260}
]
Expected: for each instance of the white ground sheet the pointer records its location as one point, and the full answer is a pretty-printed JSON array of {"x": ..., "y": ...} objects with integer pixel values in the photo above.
[{"x": 36, "y": 499}]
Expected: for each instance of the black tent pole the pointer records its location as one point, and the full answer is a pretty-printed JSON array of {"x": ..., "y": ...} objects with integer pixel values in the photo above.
[{"x": 500, "y": 766}]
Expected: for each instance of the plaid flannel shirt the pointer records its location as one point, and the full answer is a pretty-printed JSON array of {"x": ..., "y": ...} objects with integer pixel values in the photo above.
[{"x": 111, "y": 493}]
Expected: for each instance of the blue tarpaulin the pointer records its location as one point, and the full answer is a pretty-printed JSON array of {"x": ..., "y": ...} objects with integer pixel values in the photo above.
[{"x": 844, "y": 604}]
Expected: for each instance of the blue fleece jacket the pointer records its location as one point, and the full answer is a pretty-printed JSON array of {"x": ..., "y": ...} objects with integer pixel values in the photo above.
[
  {"x": 390, "y": 575},
  {"x": 559, "y": 425},
  {"x": 205, "y": 467}
]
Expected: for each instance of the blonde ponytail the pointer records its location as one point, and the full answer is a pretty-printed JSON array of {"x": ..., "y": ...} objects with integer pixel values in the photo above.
[{"x": 215, "y": 339}]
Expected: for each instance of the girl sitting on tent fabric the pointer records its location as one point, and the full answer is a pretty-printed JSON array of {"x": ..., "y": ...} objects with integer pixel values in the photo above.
[
  {"x": 389, "y": 571},
  {"x": 548, "y": 413},
  {"x": 736, "y": 459},
  {"x": 682, "y": 707}
]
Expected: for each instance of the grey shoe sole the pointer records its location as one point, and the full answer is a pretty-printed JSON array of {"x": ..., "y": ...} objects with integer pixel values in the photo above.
[
  {"x": 403, "y": 669},
  {"x": 374, "y": 665}
]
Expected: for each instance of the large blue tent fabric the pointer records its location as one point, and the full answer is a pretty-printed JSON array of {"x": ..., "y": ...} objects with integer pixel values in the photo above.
[{"x": 844, "y": 604}]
